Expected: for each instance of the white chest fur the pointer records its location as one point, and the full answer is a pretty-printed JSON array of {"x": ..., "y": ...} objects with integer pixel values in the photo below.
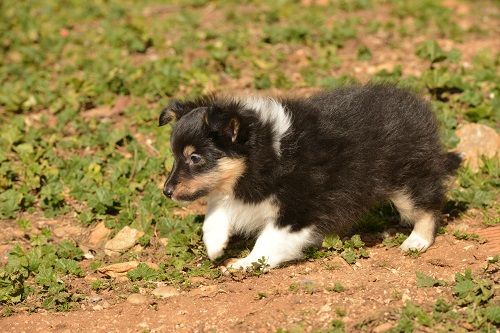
[{"x": 242, "y": 218}]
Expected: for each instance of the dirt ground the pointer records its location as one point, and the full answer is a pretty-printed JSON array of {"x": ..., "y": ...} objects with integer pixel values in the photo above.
[{"x": 299, "y": 296}]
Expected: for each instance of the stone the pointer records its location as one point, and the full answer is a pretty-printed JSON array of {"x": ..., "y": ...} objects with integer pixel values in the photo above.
[
  {"x": 137, "y": 248},
  {"x": 94, "y": 298},
  {"x": 206, "y": 291},
  {"x": 382, "y": 328},
  {"x": 152, "y": 265},
  {"x": 98, "y": 235},
  {"x": 4, "y": 250},
  {"x": 90, "y": 278},
  {"x": 165, "y": 292},
  {"x": 197, "y": 280},
  {"x": 325, "y": 309},
  {"x": 477, "y": 140},
  {"x": 137, "y": 299},
  {"x": 124, "y": 240},
  {"x": 88, "y": 255},
  {"x": 119, "y": 269},
  {"x": 67, "y": 231}
]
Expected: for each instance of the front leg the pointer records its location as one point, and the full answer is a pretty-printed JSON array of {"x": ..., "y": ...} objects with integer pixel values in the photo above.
[
  {"x": 278, "y": 245},
  {"x": 216, "y": 231}
]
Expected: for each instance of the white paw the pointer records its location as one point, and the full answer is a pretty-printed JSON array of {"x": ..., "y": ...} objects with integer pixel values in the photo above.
[
  {"x": 215, "y": 244},
  {"x": 242, "y": 263},
  {"x": 415, "y": 242},
  {"x": 248, "y": 263}
]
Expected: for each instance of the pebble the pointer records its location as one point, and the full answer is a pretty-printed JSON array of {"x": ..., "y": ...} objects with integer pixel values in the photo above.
[
  {"x": 137, "y": 248},
  {"x": 382, "y": 328},
  {"x": 97, "y": 307},
  {"x": 66, "y": 231},
  {"x": 94, "y": 298},
  {"x": 205, "y": 291},
  {"x": 477, "y": 140},
  {"x": 165, "y": 292},
  {"x": 119, "y": 269},
  {"x": 197, "y": 280},
  {"x": 98, "y": 235},
  {"x": 137, "y": 299},
  {"x": 325, "y": 308},
  {"x": 124, "y": 240},
  {"x": 88, "y": 256}
]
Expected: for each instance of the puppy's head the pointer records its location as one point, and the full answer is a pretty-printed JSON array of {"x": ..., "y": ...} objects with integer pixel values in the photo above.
[{"x": 206, "y": 142}]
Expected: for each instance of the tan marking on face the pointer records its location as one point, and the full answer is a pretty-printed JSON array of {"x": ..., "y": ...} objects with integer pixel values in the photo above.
[
  {"x": 188, "y": 150},
  {"x": 221, "y": 180},
  {"x": 229, "y": 170}
]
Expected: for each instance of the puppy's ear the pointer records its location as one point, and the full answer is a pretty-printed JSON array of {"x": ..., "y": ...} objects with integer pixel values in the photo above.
[
  {"x": 226, "y": 125},
  {"x": 173, "y": 111}
]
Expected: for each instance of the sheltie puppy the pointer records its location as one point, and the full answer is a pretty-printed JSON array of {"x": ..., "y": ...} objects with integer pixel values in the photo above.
[{"x": 291, "y": 170}]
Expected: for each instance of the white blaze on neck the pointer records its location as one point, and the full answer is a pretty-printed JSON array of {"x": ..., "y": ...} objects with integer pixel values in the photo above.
[{"x": 270, "y": 112}]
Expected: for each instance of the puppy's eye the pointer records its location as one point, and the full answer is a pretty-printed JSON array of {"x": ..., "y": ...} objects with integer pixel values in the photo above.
[{"x": 195, "y": 158}]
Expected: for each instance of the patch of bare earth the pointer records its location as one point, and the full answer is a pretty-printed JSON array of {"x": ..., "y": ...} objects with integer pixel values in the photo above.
[{"x": 374, "y": 289}]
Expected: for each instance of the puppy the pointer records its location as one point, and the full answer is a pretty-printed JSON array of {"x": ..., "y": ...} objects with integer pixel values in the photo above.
[{"x": 292, "y": 170}]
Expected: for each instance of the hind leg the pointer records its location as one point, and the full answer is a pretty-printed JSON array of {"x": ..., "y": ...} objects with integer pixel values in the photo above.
[{"x": 424, "y": 222}]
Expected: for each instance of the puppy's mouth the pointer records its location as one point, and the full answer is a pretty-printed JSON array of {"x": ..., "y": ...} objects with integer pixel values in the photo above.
[{"x": 189, "y": 197}]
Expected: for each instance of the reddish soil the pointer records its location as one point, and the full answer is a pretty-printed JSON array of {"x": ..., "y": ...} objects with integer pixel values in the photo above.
[{"x": 375, "y": 289}]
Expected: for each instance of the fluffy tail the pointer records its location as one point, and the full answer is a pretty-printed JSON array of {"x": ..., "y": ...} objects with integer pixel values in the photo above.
[{"x": 452, "y": 162}]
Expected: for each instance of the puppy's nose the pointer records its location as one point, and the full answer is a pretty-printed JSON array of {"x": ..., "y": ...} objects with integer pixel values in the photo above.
[{"x": 168, "y": 191}]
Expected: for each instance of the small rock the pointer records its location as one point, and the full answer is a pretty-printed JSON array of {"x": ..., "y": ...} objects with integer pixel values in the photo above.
[
  {"x": 67, "y": 231},
  {"x": 137, "y": 299},
  {"x": 14, "y": 233},
  {"x": 382, "y": 328},
  {"x": 477, "y": 140},
  {"x": 144, "y": 325},
  {"x": 98, "y": 235},
  {"x": 461, "y": 227},
  {"x": 94, "y": 298},
  {"x": 137, "y": 249},
  {"x": 206, "y": 291},
  {"x": 197, "y": 280},
  {"x": 122, "y": 278},
  {"x": 325, "y": 308},
  {"x": 90, "y": 278},
  {"x": 163, "y": 241},
  {"x": 165, "y": 292},
  {"x": 88, "y": 255},
  {"x": 119, "y": 269},
  {"x": 4, "y": 251},
  {"x": 152, "y": 265},
  {"x": 124, "y": 240},
  {"x": 97, "y": 307}
]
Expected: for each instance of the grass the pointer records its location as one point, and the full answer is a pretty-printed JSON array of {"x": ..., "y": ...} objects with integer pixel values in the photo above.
[
  {"x": 61, "y": 63},
  {"x": 472, "y": 308}
]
